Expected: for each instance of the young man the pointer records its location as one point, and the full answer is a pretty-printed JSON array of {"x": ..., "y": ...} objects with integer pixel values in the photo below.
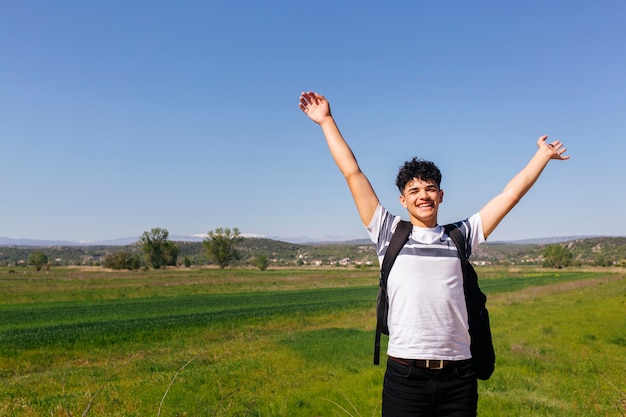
[{"x": 429, "y": 370}]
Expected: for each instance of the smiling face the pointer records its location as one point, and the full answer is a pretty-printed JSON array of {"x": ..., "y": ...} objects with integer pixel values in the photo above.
[{"x": 422, "y": 198}]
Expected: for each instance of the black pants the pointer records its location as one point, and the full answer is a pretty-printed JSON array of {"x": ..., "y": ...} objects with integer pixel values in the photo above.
[{"x": 413, "y": 392}]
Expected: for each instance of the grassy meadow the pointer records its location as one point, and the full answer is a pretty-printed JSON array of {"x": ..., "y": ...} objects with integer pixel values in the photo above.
[{"x": 287, "y": 342}]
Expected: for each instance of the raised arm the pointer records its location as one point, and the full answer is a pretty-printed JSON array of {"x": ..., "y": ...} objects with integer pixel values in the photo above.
[
  {"x": 318, "y": 109},
  {"x": 493, "y": 212}
]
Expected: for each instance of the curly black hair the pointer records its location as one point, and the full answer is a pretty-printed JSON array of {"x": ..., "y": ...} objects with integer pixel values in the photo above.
[{"x": 420, "y": 169}]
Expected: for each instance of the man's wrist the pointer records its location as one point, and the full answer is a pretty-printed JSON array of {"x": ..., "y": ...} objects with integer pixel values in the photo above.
[{"x": 327, "y": 121}]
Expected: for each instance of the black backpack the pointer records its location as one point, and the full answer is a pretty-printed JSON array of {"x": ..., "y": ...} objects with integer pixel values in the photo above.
[{"x": 483, "y": 355}]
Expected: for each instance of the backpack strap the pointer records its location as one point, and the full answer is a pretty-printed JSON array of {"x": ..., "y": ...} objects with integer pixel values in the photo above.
[
  {"x": 483, "y": 354},
  {"x": 459, "y": 241},
  {"x": 398, "y": 239}
]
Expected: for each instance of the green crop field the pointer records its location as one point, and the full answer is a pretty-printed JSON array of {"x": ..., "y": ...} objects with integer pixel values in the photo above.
[{"x": 287, "y": 342}]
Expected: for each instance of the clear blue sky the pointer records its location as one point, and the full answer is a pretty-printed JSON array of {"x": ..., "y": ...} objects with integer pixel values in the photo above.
[{"x": 120, "y": 116}]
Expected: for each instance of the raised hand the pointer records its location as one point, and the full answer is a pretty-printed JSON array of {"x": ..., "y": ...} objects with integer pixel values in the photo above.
[
  {"x": 315, "y": 106},
  {"x": 555, "y": 149}
]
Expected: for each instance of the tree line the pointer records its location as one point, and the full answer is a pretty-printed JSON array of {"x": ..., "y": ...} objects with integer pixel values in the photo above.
[
  {"x": 158, "y": 251},
  {"x": 226, "y": 247},
  {"x": 220, "y": 246}
]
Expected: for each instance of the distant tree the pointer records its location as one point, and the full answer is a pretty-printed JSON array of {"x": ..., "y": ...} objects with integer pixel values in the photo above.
[
  {"x": 262, "y": 262},
  {"x": 603, "y": 260},
  {"x": 170, "y": 253},
  {"x": 122, "y": 260},
  {"x": 220, "y": 246},
  {"x": 186, "y": 261},
  {"x": 157, "y": 250},
  {"x": 38, "y": 259},
  {"x": 556, "y": 256}
]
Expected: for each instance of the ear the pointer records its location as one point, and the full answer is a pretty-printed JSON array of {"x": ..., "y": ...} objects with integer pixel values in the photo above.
[
  {"x": 441, "y": 196},
  {"x": 403, "y": 201}
]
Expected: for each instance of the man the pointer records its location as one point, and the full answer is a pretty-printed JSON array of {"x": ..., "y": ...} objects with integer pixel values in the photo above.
[{"x": 429, "y": 370}]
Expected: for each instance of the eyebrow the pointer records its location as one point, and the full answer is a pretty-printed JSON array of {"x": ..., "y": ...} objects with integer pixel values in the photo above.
[{"x": 427, "y": 187}]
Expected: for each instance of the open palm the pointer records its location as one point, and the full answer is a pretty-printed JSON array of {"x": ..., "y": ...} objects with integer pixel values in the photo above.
[{"x": 315, "y": 106}]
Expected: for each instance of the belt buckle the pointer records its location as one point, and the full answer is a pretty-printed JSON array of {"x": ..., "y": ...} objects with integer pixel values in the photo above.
[{"x": 435, "y": 365}]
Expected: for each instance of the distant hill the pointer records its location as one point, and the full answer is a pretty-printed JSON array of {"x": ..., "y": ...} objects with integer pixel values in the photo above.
[
  {"x": 7, "y": 241},
  {"x": 585, "y": 251},
  {"x": 542, "y": 241}
]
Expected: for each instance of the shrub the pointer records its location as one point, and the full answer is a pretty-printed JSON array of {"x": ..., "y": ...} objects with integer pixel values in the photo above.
[
  {"x": 261, "y": 262},
  {"x": 122, "y": 260}
]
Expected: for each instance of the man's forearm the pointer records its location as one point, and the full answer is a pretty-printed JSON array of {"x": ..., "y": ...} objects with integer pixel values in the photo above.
[
  {"x": 494, "y": 211},
  {"x": 339, "y": 149},
  {"x": 526, "y": 178}
]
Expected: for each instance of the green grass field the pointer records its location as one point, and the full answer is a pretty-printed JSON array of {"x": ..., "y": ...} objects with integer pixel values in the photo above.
[{"x": 297, "y": 342}]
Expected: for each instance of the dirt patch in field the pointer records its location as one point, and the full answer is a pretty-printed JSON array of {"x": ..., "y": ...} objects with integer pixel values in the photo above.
[{"x": 530, "y": 293}]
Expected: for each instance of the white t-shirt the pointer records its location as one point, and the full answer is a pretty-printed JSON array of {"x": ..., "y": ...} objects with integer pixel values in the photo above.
[{"x": 427, "y": 313}]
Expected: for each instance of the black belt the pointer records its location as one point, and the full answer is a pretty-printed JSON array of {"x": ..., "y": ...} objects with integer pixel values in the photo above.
[{"x": 431, "y": 364}]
